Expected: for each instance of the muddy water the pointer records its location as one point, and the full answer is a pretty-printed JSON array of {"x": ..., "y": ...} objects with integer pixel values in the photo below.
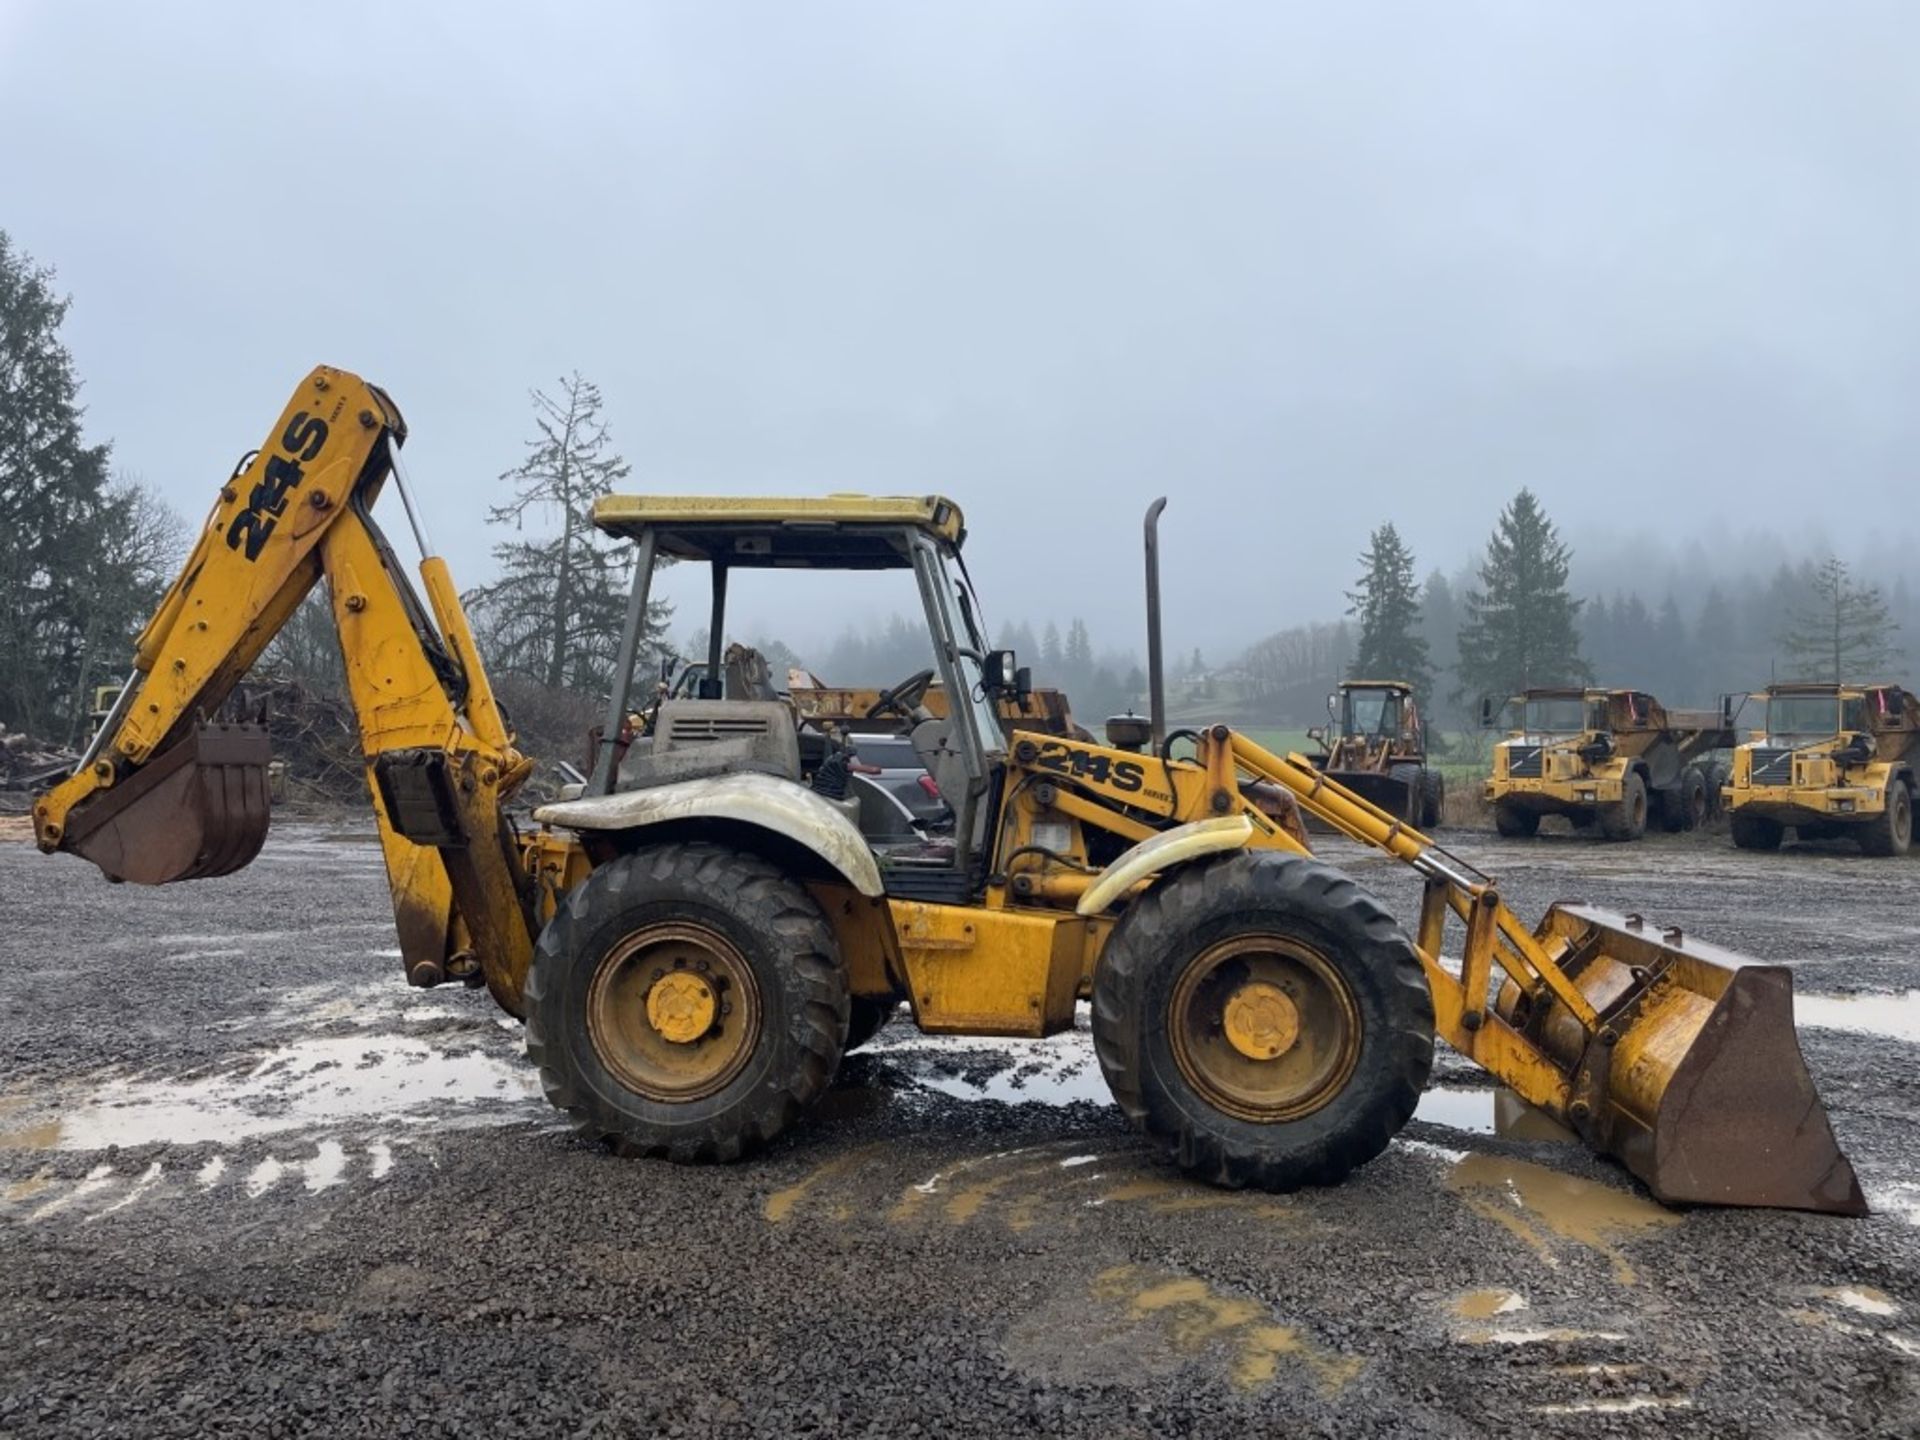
[{"x": 1543, "y": 1207}]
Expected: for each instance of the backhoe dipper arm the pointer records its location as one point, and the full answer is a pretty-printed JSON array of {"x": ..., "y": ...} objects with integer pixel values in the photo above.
[{"x": 166, "y": 793}]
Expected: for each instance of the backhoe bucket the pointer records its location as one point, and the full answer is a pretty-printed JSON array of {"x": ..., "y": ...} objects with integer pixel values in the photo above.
[
  {"x": 196, "y": 809},
  {"x": 1693, "y": 1077}
]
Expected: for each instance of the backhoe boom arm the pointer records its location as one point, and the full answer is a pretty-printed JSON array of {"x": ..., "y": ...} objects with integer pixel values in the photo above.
[{"x": 168, "y": 791}]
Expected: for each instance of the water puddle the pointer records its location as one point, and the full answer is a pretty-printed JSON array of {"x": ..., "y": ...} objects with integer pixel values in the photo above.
[
  {"x": 1895, "y": 1016},
  {"x": 1541, "y": 1206},
  {"x": 1624, "y": 1405},
  {"x": 309, "y": 1084},
  {"x": 1485, "y": 1304},
  {"x": 1062, "y": 1070},
  {"x": 1490, "y": 1111},
  {"x": 1863, "y": 1300},
  {"x": 1194, "y": 1317}
]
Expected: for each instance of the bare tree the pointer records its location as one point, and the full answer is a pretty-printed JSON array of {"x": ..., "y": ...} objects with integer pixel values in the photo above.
[
  {"x": 1843, "y": 629},
  {"x": 137, "y": 545},
  {"x": 554, "y": 615}
]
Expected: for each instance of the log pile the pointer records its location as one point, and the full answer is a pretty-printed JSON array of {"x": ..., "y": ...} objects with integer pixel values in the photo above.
[{"x": 28, "y": 764}]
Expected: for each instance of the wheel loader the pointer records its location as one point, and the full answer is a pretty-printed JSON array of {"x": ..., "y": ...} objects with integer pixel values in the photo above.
[
  {"x": 1376, "y": 746},
  {"x": 1832, "y": 762},
  {"x": 695, "y": 939},
  {"x": 1605, "y": 759}
]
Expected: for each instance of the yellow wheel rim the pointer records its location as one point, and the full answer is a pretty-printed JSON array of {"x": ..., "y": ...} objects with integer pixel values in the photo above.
[
  {"x": 673, "y": 1011},
  {"x": 1264, "y": 1028}
]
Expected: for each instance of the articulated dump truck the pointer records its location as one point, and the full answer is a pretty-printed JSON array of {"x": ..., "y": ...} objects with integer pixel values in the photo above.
[
  {"x": 1832, "y": 762},
  {"x": 695, "y": 940},
  {"x": 1611, "y": 759}
]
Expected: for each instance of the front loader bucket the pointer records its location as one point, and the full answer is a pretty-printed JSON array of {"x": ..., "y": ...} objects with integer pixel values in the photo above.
[
  {"x": 1693, "y": 1077},
  {"x": 196, "y": 809},
  {"x": 1395, "y": 796}
]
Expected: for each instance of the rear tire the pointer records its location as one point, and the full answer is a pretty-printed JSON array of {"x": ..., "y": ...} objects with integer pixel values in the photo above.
[
  {"x": 1189, "y": 993},
  {"x": 1513, "y": 822},
  {"x": 1626, "y": 818},
  {"x": 754, "y": 959},
  {"x": 1891, "y": 831},
  {"x": 1755, "y": 832},
  {"x": 1684, "y": 807}
]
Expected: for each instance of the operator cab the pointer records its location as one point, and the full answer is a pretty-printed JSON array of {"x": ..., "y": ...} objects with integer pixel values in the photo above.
[{"x": 726, "y": 716}]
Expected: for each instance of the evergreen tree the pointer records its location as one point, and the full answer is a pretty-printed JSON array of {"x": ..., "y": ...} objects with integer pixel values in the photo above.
[
  {"x": 1440, "y": 628},
  {"x": 1388, "y": 603},
  {"x": 1520, "y": 627},
  {"x": 1842, "y": 631},
  {"x": 1720, "y": 645},
  {"x": 556, "y": 613},
  {"x": 1670, "y": 672},
  {"x": 52, "y": 504},
  {"x": 1050, "y": 649},
  {"x": 1079, "y": 652}
]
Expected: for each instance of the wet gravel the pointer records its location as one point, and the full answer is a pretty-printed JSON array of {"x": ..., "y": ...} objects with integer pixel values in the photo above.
[{"x": 341, "y": 1211}]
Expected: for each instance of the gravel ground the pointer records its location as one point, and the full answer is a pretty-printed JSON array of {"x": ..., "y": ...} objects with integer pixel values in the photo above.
[{"x": 251, "y": 1183}]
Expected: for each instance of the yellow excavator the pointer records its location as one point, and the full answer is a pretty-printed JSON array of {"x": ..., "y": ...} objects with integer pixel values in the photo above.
[{"x": 696, "y": 937}]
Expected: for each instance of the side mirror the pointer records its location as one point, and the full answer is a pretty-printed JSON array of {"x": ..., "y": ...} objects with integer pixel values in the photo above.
[
  {"x": 1022, "y": 683},
  {"x": 1486, "y": 712},
  {"x": 1333, "y": 705},
  {"x": 1727, "y": 712},
  {"x": 1317, "y": 734}
]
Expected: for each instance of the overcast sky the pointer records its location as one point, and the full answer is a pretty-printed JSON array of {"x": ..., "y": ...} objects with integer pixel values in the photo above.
[{"x": 1302, "y": 267}]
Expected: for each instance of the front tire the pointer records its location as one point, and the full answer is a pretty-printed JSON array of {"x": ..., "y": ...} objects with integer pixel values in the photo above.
[
  {"x": 1891, "y": 831},
  {"x": 1626, "y": 818},
  {"x": 1755, "y": 832},
  {"x": 1514, "y": 822},
  {"x": 1266, "y": 1019},
  {"x": 1433, "y": 798},
  {"x": 686, "y": 1001}
]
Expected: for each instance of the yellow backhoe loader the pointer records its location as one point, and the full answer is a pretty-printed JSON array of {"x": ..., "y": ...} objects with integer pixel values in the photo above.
[{"x": 692, "y": 940}]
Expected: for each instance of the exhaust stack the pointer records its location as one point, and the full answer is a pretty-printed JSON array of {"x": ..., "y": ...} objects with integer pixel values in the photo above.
[{"x": 1156, "y": 671}]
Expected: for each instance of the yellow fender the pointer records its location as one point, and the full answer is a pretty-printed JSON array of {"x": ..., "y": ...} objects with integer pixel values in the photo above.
[
  {"x": 766, "y": 801},
  {"x": 1162, "y": 851}
]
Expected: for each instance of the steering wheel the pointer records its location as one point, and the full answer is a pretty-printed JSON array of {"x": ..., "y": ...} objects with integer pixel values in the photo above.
[{"x": 902, "y": 698}]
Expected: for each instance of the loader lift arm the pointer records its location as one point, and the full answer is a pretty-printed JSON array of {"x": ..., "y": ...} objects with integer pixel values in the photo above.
[{"x": 168, "y": 791}]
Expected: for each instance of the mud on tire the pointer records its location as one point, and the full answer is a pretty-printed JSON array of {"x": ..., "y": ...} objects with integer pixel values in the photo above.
[
  {"x": 1891, "y": 831},
  {"x": 763, "y": 922},
  {"x": 1212, "y": 906},
  {"x": 1755, "y": 832},
  {"x": 1514, "y": 822},
  {"x": 1626, "y": 818}
]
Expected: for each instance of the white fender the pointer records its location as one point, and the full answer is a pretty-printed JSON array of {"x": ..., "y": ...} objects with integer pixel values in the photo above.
[
  {"x": 752, "y": 798},
  {"x": 1158, "y": 852}
]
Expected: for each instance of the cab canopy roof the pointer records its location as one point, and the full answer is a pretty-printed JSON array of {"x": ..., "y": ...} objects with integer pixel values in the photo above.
[
  {"x": 835, "y": 532},
  {"x": 1402, "y": 686},
  {"x": 1822, "y": 687}
]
